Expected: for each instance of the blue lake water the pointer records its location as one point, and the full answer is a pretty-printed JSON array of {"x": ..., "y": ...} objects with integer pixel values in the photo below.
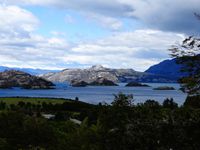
[{"x": 96, "y": 94}]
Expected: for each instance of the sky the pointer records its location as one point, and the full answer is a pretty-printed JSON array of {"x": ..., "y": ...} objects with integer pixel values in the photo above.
[{"x": 59, "y": 34}]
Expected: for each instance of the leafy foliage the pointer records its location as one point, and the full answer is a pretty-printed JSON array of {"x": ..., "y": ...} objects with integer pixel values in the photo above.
[
  {"x": 120, "y": 126},
  {"x": 188, "y": 54},
  {"x": 122, "y": 100}
]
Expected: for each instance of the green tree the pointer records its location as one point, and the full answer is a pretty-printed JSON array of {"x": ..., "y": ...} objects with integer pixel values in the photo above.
[
  {"x": 122, "y": 100},
  {"x": 188, "y": 55},
  {"x": 169, "y": 103}
]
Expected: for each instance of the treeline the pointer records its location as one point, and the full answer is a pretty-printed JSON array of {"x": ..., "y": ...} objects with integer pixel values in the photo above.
[
  {"x": 119, "y": 126},
  {"x": 67, "y": 109}
]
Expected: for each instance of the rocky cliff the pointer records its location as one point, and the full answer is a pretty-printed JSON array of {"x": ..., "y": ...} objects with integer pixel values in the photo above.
[
  {"x": 97, "y": 82},
  {"x": 13, "y": 78}
]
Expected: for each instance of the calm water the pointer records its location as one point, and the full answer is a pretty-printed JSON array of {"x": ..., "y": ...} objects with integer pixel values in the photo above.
[{"x": 96, "y": 94}]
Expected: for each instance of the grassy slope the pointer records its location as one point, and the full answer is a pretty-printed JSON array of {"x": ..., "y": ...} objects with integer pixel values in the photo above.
[{"x": 15, "y": 100}]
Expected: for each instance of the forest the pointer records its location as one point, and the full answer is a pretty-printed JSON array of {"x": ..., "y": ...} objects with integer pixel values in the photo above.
[{"x": 121, "y": 125}]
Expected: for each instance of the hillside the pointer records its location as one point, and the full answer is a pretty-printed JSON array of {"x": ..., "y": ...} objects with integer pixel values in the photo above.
[
  {"x": 166, "y": 68},
  {"x": 13, "y": 78},
  {"x": 116, "y": 75}
]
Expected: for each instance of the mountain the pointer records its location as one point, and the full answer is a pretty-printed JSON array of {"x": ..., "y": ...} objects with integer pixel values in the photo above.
[
  {"x": 28, "y": 70},
  {"x": 2, "y": 68},
  {"x": 13, "y": 78},
  {"x": 167, "y": 68},
  {"x": 115, "y": 75}
]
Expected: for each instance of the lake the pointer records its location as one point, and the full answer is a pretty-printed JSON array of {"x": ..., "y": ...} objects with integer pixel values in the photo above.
[{"x": 96, "y": 94}]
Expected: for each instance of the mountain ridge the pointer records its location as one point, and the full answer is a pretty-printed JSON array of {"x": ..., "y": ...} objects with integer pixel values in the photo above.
[
  {"x": 95, "y": 72},
  {"x": 13, "y": 78},
  {"x": 167, "y": 68},
  {"x": 28, "y": 70},
  {"x": 155, "y": 73}
]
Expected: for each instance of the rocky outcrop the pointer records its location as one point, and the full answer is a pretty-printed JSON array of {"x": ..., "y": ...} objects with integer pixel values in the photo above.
[
  {"x": 97, "y": 82},
  {"x": 77, "y": 83},
  {"x": 87, "y": 75},
  {"x": 102, "y": 82},
  {"x": 136, "y": 84},
  {"x": 13, "y": 78},
  {"x": 115, "y": 75},
  {"x": 164, "y": 88}
]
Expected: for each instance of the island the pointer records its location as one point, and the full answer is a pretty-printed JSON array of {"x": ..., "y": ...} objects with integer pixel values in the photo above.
[
  {"x": 103, "y": 82},
  {"x": 164, "y": 88},
  {"x": 136, "y": 84}
]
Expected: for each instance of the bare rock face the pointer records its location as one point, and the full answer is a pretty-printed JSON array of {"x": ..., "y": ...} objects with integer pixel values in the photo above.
[
  {"x": 93, "y": 73},
  {"x": 97, "y": 82},
  {"x": 76, "y": 83},
  {"x": 103, "y": 82},
  {"x": 12, "y": 78},
  {"x": 88, "y": 75}
]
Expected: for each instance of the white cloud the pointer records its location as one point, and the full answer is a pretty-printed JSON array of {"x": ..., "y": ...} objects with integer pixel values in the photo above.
[
  {"x": 106, "y": 21},
  {"x": 58, "y": 34},
  {"x": 138, "y": 49},
  {"x": 16, "y": 22},
  {"x": 103, "y": 7},
  {"x": 69, "y": 19},
  {"x": 101, "y": 11},
  {"x": 19, "y": 46},
  {"x": 168, "y": 15}
]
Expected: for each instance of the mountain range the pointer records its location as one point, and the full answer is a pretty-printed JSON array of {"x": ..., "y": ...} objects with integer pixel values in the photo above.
[
  {"x": 116, "y": 75},
  {"x": 28, "y": 70},
  {"x": 165, "y": 71}
]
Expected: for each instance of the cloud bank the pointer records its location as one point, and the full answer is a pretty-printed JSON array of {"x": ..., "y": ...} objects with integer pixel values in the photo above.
[
  {"x": 168, "y": 15},
  {"x": 137, "y": 49},
  {"x": 166, "y": 22}
]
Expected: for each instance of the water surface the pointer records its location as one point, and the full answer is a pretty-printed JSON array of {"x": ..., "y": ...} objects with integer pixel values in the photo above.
[{"x": 96, "y": 94}]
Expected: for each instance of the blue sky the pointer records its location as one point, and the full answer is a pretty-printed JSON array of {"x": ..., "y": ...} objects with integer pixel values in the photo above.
[
  {"x": 57, "y": 34},
  {"x": 67, "y": 22},
  {"x": 75, "y": 25}
]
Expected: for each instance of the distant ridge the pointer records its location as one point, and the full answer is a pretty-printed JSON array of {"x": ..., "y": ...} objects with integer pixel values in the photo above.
[
  {"x": 167, "y": 68},
  {"x": 28, "y": 70},
  {"x": 165, "y": 71}
]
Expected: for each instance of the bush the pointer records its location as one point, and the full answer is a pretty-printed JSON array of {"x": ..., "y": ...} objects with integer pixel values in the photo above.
[
  {"x": 193, "y": 101},
  {"x": 169, "y": 103}
]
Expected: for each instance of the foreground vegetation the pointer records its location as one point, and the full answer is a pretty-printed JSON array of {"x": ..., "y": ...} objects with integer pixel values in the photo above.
[
  {"x": 119, "y": 126},
  {"x": 32, "y": 100}
]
